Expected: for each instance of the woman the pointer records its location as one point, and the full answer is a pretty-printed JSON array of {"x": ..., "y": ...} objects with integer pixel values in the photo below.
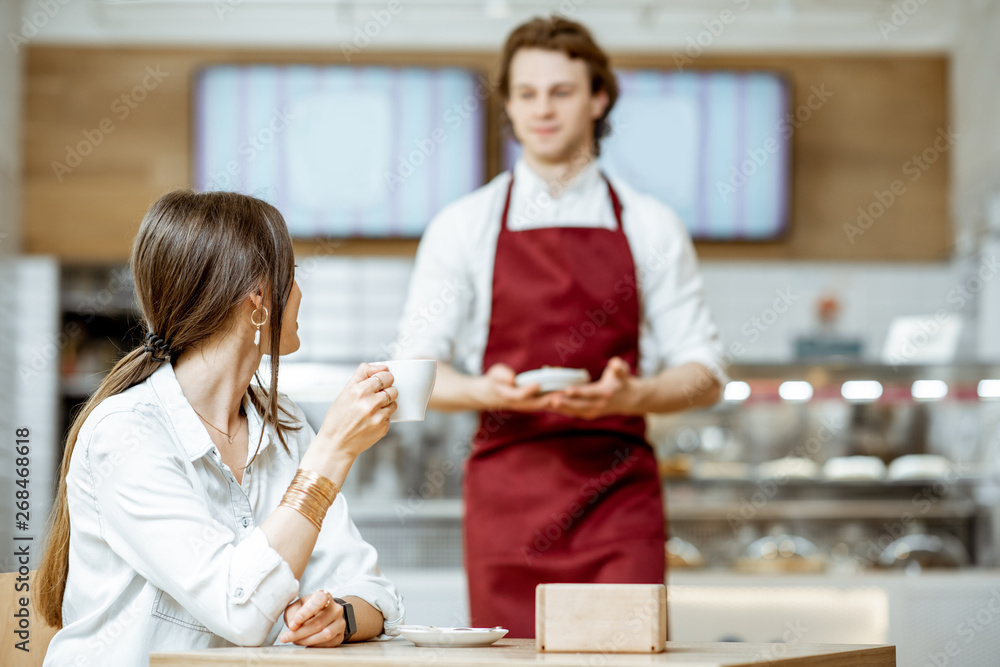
[{"x": 191, "y": 502}]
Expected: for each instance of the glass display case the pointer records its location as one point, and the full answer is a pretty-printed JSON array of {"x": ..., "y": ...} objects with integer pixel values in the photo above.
[
  {"x": 100, "y": 322},
  {"x": 836, "y": 468}
]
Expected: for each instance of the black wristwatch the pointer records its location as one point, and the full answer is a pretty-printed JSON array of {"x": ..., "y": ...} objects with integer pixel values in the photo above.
[{"x": 352, "y": 624}]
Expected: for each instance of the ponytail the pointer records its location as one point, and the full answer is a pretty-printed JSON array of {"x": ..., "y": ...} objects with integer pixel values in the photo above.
[
  {"x": 50, "y": 581},
  {"x": 195, "y": 260}
]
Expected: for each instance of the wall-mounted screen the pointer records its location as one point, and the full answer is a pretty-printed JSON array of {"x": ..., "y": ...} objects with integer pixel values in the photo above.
[
  {"x": 341, "y": 151},
  {"x": 713, "y": 145}
]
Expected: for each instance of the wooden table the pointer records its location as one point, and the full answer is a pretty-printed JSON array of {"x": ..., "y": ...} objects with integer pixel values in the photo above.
[{"x": 507, "y": 652}]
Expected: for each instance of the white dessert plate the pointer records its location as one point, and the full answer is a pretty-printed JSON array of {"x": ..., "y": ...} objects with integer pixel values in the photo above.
[
  {"x": 861, "y": 468},
  {"x": 920, "y": 466},
  {"x": 552, "y": 378},
  {"x": 428, "y": 635}
]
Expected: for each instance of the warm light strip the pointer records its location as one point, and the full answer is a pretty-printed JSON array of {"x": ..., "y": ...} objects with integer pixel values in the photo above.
[
  {"x": 989, "y": 389},
  {"x": 929, "y": 390},
  {"x": 737, "y": 390},
  {"x": 795, "y": 390},
  {"x": 861, "y": 390}
]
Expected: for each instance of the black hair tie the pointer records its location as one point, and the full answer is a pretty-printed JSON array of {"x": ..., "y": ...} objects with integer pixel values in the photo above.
[{"x": 154, "y": 343}]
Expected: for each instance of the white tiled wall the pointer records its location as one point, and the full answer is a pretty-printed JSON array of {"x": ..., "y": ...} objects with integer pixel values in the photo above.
[
  {"x": 34, "y": 379},
  {"x": 351, "y": 306},
  {"x": 11, "y": 68},
  {"x": 871, "y": 295}
]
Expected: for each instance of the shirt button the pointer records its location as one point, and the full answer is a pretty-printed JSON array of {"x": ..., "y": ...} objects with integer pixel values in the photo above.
[
  {"x": 239, "y": 592},
  {"x": 246, "y": 522}
]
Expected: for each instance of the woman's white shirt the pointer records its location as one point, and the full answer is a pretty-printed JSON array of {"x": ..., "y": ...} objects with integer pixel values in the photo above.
[
  {"x": 447, "y": 314},
  {"x": 165, "y": 552}
]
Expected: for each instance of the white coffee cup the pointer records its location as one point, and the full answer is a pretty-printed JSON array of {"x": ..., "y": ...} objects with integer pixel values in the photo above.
[{"x": 414, "y": 380}]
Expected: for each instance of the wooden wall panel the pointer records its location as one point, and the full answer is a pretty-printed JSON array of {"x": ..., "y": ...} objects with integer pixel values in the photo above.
[{"x": 882, "y": 111}]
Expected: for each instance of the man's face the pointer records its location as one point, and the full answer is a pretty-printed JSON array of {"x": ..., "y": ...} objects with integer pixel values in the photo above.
[{"x": 551, "y": 107}]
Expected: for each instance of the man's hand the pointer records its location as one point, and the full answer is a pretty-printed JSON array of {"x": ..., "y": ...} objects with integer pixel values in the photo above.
[
  {"x": 496, "y": 390},
  {"x": 613, "y": 394},
  {"x": 314, "y": 620}
]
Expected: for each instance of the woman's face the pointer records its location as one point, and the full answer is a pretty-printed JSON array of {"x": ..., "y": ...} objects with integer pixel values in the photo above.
[{"x": 289, "y": 326}]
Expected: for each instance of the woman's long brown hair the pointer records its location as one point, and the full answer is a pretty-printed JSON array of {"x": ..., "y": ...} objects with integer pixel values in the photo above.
[{"x": 196, "y": 259}]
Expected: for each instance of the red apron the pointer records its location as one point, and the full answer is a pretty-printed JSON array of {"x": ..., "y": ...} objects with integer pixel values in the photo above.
[{"x": 550, "y": 498}]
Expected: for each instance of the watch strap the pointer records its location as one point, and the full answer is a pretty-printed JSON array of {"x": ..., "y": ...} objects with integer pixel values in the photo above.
[{"x": 349, "y": 619}]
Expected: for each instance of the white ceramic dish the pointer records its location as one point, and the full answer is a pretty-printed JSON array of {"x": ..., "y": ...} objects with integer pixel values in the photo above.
[
  {"x": 920, "y": 466},
  {"x": 854, "y": 468},
  {"x": 552, "y": 378},
  {"x": 790, "y": 467},
  {"x": 428, "y": 635}
]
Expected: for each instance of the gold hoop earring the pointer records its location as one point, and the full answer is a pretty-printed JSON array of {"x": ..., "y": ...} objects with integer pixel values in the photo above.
[{"x": 256, "y": 336}]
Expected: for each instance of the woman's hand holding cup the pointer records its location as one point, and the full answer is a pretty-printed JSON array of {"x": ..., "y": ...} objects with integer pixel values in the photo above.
[{"x": 356, "y": 420}]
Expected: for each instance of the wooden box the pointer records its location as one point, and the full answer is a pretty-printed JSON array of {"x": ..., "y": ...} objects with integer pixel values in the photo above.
[{"x": 601, "y": 618}]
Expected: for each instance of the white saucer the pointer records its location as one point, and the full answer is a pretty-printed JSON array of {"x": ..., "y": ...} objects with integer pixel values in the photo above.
[
  {"x": 428, "y": 635},
  {"x": 552, "y": 378}
]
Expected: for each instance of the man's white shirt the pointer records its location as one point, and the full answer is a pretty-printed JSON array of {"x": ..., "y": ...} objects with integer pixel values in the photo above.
[{"x": 448, "y": 308}]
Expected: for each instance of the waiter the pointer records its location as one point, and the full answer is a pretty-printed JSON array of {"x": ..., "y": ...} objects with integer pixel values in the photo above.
[{"x": 556, "y": 265}]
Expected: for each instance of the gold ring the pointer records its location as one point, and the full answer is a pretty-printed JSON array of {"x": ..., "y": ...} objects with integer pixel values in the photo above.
[
  {"x": 381, "y": 385},
  {"x": 329, "y": 599}
]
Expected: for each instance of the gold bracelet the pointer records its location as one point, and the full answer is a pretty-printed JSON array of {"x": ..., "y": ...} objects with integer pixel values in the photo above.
[
  {"x": 311, "y": 500},
  {"x": 311, "y": 495}
]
